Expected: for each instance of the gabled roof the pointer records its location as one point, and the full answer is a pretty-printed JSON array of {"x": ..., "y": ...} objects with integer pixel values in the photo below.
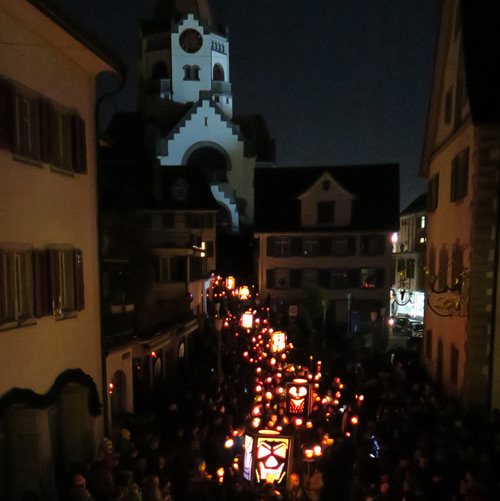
[
  {"x": 418, "y": 205},
  {"x": 85, "y": 37},
  {"x": 198, "y": 193},
  {"x": 375, "y": 187},
  {"x": 260, "y": 144}
]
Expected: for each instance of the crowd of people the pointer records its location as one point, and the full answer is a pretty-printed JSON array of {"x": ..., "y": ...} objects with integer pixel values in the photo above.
[{"x": 409, "y": 443}]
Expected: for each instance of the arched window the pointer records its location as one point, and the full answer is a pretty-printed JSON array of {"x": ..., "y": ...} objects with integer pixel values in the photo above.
[
  {"x": 187, "y": 72},
  {"x": 160, "y": 70},
  {"x": 218, "y": 73},
  {"x": 195, "y": 73}
]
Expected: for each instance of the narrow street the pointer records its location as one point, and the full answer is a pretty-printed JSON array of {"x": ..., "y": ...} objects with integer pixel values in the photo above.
[{"x": 260, "y": 420}]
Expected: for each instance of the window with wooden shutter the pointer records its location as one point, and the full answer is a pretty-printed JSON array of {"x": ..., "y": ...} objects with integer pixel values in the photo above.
[
  {"x": 295, "y": 278},
  {"x": 324, "y": 277},
  {"x": 7, "y": 115},
  {"x": 79, "y": 142},
  {"x": 41, "y": 284},
  {"x": 63, "y": 280},
  {"x": 79, "y": 284},
  {"x": 16, "y": 286},
  {"x": 47, "y": 116},
  {"x": 27, "y": 127},
  {"x": 459, "y": 176},
  {"x": 325, "y": 246},
  {"x": 270, "y": 279}
]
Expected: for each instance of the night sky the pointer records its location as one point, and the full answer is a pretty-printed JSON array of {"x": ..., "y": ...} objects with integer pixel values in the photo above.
[{"x": 338, "y": 82}]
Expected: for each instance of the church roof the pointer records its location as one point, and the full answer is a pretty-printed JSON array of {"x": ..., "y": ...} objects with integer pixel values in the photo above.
[
  {"x": 198, "y": 195},
  {"x": 254, "y": 129},
  {"x": 375, "y": 188},
  {"x": 168, "y": 13},
  {"x": 481, "y": 44},
  {"x": 169, "y": 114}
]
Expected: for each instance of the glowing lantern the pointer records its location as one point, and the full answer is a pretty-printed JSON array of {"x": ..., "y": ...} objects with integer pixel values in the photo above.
[
  {"x": 247, "y": 319},
  {"x": 317, "y": 450},
  {"x": 230, "y": 283},
  {"x": 244, "y": 293},
  {"x": 354, "y": 420},
  {"x": 220, "y": 474},
  {"x": 298, "y": 397},
  {"x": 266, "y": 457},
  {"x": 278, "y": 341},
  {"x": 229, "y": 443},
  {"x": 308, "y": 453}
]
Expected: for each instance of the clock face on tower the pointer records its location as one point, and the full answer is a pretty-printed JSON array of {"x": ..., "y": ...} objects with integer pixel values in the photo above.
[{"x": 190, "y": 41}]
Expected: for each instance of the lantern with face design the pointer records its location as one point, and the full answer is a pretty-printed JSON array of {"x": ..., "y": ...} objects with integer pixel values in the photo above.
[
  {"x": 278, "y": 341},
  {"x": 266, "y": 457},
  {"x": 298, "y": 397}
]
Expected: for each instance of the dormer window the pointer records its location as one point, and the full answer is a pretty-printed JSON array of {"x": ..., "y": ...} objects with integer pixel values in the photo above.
[
  {"x": 326, "y": 212},
  {"x": 179, "y": 190}
]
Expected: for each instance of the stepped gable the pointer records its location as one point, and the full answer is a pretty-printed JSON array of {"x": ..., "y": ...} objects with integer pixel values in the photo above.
[
  {"x": 254, "y": 129},
  {"x": 375, "y": 188}
]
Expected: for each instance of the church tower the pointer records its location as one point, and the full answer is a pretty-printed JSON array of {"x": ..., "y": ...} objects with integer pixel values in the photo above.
[
  {"x": 186, "y": 98},
  {"x": 182, "y": 54}
]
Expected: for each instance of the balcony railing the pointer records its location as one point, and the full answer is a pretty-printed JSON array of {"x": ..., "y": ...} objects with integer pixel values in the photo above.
[{"x": 219, "y": 87}]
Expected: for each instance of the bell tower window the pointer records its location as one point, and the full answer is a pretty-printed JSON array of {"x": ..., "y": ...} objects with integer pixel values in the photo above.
[{"x": 218, "y": 73}]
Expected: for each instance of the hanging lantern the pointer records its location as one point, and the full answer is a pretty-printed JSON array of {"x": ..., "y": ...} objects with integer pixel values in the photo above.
[
  {"x": 298, "y": 397},
  {"x": 266, "y": 457},
  {"x": 278, "y": 341}
]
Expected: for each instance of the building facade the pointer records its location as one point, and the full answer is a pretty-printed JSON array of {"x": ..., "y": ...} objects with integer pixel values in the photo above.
[
  {"x": 461, "y": 161},
  {"x": 51, "y": 381},
  {"x": 318, "y": 237},
  {"x": 408, "y": 290}
]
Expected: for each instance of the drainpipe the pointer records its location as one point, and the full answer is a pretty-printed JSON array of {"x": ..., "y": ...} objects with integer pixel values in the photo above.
[
  {"x": 494, "y": 297},
  {"x": 105, "y": 394}
]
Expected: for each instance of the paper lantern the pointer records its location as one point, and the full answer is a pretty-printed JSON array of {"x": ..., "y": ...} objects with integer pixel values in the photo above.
[
  {"x": 266, "y": 457},
  {"x": 278, "y": 341},
  {"x": 298, "y": 397},
  {"x": 247, "y": 320}
]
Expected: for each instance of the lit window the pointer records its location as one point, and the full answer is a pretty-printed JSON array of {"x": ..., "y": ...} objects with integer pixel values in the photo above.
[{"x": 422, "y": 222}]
